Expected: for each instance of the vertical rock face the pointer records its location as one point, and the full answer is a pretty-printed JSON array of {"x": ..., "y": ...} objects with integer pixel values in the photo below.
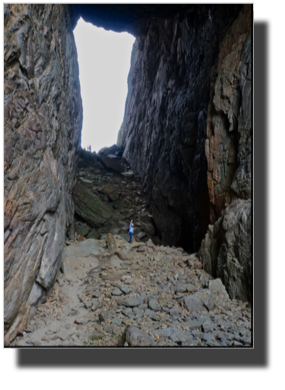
[
  {"x": 187, "y": 133},
  {"x": 228, "y": 142},
  {"x": 166, "y": 116},
  {"x": 226, "y": 250},
  {"x": 43, "y": 115}
]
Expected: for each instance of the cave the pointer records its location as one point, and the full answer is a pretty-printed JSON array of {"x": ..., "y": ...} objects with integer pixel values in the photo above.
[{"x": 186, "y": 135}]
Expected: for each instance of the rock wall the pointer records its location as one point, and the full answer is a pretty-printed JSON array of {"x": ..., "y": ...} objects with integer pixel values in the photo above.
[
  {"x": 226, "y": 251},
  {"x": 189, "y": 95},
  {"x": 42, "y": 121},
  {"x": 187, "y": 131}
]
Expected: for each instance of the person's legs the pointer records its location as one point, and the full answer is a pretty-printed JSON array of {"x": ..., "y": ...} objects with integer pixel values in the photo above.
[{"x": 131, "y": 235}]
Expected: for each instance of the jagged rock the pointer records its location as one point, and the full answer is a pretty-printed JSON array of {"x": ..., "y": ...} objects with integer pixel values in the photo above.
[
  {"x": 42, "y": 125},
  {"x": 111, "y": 164},
  {"x": 90, "y": 207},
  {"x": 184, "y": 203},
  {"x": 111, "y": 191},
  {"x": 117, "y": 292},
  {"x": 95, "y": 307},
  {"x": 136, "y": 337},
  {"x": 193, "y": 303},
  {"x": 154, "y": 305},
  {"x": 226, "y": 253},
  {"x": 191, "y": 70},
  {"x": 216, "y": 286}
]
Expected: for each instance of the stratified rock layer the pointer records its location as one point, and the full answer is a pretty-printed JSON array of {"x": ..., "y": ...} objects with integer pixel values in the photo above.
[
  {"x": 166, "y": 117},
  {"x": 43, "y": 116},
  {"x": 188, "y": 105},
  {"x": 226, "y": 251},
  {"x": 107, "y": 196},
  {"x": 187, "y": 128}
]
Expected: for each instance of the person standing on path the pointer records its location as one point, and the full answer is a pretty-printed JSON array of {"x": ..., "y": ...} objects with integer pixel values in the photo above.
[{"x": 131, "y": 231}]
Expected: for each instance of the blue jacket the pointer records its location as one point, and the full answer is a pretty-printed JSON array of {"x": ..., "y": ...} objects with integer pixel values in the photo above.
[{"x": 131, "y": 230}]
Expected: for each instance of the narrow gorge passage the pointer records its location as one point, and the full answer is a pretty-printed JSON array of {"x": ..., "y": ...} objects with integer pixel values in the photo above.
[
  {"x": 182, "y": 171},
  {"x": 113, "y": 293}
]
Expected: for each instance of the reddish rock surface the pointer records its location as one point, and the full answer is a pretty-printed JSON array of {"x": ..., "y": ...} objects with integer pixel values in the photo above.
[{"x": 226, "y": 250}]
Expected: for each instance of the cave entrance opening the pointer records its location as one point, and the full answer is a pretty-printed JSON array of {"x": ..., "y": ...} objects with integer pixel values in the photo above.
[{"x": 104, "y": 59}]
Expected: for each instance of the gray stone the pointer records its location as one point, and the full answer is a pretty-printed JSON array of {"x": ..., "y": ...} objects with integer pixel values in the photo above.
[
  {"x": 175, "y": 312},
  {"x": 216, "y": 286},
  {"x": 143, "y": 307},
  {"x": 212, "y": 343},
  {"x": 207, "y": 336},
  {"x": 82, "y": 321},
  {"x": 193, "y": 303},
  {"x": 177, "y": 335},
  {"x": 105, "y": 315},
  {"x": 246, "y": 340},
  {"x": 139, "y": 314},
  {"x": 117, "y": 292},
  {"x": 191, "y": 288},
  {"x": 193, "y": 324},
  {"x": 149, "y": 312},
  {"x": 208, "y": 301},
  {"x": 131, "y": 301},
  {"x": 128, "y": 312},
  {"x": 150, "y": 297},
  {"x": 125, "y": 289},
  {"x": 195, "y": 333},
  {"x": 136, "y": 337},
  {"x": 97, "y": 294},
  {"x": 116, "y": 320},
  {"x": 181, "y": 287},
  {"x": 154, "y": 305},
  {"x": 166, "y": 332},
  {"x": 207, "y": 326},
  {"x": 112, "y": 329},
  {"x": 237, "y": 344}
]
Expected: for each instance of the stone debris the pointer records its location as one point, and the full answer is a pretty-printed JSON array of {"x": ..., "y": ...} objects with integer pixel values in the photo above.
[
  {"x": 107, "y": 197},
  {"x": 144, "y": 302}
]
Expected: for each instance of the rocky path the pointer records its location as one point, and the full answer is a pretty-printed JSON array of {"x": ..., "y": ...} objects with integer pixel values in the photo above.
[
  {"x": 116, "y": 294},
  {"x": 112, "y": 293}
]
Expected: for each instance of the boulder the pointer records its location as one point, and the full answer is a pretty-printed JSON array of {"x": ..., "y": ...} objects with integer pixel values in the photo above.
[
  {"x": 193, "y": 303},
  {"x": 136, "y": 337},
  {"x": 111, "y": 191},
  {"x": 89, "y": 207},
  {"x": 112, "y": 150}
]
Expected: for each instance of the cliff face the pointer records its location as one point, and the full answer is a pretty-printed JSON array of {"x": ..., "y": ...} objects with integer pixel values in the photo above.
[
  {"x": 226, "y": 251},
  {"x": 187, "y": 132},
  {"x": 43, "y": 115}
]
